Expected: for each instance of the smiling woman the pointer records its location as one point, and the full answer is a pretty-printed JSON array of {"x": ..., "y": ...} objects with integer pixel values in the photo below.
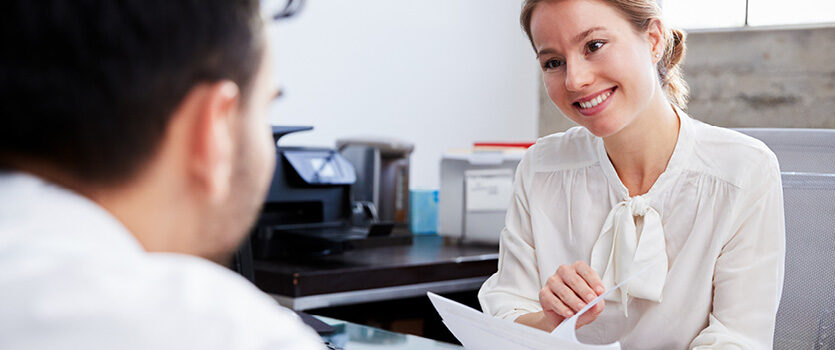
[
  {"x": 610, "y": 47},
  {"x": 638, "y": 186}
]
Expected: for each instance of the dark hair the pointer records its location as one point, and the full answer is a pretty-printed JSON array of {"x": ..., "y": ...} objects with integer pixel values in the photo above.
[
  {"x": 640, "y": 14},
  {"x": 89, "y": 86}
]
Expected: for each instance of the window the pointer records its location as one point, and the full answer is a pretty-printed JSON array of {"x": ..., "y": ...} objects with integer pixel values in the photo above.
[
  {"x": 698, "y": 14},
  {"x": 704, "y": 13},
  {"x": 776, "y": 12}
]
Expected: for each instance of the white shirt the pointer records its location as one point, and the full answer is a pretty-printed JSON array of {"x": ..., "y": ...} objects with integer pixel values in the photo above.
[
  {"x": 713, "y": 221},
  {"x": 73, "y": 277}
]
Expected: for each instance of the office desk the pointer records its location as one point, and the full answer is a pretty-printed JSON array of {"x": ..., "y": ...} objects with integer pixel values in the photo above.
[
  {"x": 375, "y": 274},
  {"x": 352, "y": 336}
]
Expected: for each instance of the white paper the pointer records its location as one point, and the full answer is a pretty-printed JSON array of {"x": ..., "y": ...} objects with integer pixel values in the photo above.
[
  {"x": 479, "y": 331},
  {"x": 568, "y": 328},
  {"x": 476, "y": 330}
]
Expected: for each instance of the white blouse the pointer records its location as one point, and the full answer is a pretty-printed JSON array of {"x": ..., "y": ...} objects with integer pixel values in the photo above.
[{"x": 709, "y": 237}]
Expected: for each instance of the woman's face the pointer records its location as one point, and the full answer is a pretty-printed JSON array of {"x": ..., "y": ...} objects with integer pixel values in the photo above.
[{"x": 598, "y": 70}]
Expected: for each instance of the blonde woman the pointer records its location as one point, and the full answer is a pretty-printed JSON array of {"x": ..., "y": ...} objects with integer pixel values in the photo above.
[{"x": 638, "y": 186}]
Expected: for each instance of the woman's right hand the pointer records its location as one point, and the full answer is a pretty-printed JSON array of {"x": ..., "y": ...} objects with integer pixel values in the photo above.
[{"x": 569, "y": 290}]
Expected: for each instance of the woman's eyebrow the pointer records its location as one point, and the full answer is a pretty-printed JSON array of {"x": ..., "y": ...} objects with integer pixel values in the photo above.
[
  {"x": 587, "y": 32},
  {"x": 545, "y": 51},
  {"x": 577, "y": 38}
]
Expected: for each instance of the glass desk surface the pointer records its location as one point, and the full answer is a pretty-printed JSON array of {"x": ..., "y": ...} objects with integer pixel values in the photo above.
[{"x": 352, "y": 336}]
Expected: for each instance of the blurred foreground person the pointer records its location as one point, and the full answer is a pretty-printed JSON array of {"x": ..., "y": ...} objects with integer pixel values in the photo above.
[{"x": 135, "y": 153}]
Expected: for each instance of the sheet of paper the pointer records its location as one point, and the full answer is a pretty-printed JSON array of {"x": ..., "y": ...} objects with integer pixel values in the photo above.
[
  {"x": 479, "y": 331},
  {"x": 568, "y": 328}
]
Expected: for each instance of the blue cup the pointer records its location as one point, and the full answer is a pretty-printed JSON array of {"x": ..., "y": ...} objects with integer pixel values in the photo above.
[{"x": 423, "y": 211}]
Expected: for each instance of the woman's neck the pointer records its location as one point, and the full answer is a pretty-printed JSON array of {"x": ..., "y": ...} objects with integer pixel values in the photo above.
[{"x": 641, "y": 150}]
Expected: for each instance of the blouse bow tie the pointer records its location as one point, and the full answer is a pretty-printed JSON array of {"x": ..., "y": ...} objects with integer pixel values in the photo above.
[{"x": 618, "y": 252}]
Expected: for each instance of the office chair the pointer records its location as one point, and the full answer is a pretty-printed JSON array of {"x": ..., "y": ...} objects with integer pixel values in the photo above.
[
  {"x": 799, "y": 150},
  {"x": 806, "y": 317}
]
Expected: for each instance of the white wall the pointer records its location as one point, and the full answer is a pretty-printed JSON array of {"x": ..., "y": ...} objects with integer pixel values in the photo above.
[{"x": 439, "y": 73}]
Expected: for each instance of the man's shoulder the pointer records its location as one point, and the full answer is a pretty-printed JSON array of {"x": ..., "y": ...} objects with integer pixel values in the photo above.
[
  {"x": 166, "y": 301},
  {"x": 224, "y": 302},
  {"x": 199, "y": 283}
]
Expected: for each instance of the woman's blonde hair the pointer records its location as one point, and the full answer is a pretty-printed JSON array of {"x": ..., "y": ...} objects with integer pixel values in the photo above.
[{"x": 641, "y": 13}]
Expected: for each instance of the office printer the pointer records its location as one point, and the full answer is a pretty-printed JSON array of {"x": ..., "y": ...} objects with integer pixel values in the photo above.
[
  {"x": 308, "y": 210},
  {"x": 476, "y": 189}
]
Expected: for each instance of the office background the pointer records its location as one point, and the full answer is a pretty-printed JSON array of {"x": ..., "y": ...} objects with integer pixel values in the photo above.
[
  {"x": 443, "y": 74},
  {"x": 438, "y": 73}
]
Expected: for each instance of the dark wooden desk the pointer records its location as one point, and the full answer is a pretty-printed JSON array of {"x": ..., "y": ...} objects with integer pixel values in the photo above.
[{"x": 374, "y": 274}]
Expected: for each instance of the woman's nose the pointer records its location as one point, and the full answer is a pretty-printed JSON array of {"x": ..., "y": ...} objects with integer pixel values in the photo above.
[{"x": 578, "y": 75}]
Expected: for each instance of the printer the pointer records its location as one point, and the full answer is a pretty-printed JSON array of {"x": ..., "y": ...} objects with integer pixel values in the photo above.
[
  {"x": 476, "y": 190},
  {"x": 308, "y": 210}
]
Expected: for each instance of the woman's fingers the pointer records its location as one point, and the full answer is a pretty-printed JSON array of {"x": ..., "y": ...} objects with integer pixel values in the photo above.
[
  {"x": 590, "y": 276},
  {"x": 551, "y": 302},
  {"x": 568, "y": 296},
  {"x": 569, "y": 290},
  {"x": 578, "y": 285},
  {"x": 570, "y": 275}
]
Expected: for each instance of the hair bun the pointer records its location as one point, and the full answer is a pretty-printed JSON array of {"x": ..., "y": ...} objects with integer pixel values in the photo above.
[
  {"x": 677, "y": 48},
  {"x": 669, "y": 70}
]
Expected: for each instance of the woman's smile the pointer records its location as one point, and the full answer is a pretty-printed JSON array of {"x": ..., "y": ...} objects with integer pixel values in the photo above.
[{"x": 594, "y": 103}]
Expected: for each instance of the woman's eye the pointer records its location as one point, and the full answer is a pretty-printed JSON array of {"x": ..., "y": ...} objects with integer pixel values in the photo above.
[
  {"x": 551, "y": 64},
  {"x": 594, "y": 45}
]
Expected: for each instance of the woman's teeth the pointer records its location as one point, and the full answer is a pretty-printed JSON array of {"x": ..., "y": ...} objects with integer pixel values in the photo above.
[{"x": 595, "y": 101}]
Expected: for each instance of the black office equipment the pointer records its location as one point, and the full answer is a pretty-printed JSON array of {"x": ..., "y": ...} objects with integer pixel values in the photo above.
[{"x": 308, "y": 209}]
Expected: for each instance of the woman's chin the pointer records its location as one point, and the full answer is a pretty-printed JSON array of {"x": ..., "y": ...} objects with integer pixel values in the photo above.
[{"x": 602, "y": 128}]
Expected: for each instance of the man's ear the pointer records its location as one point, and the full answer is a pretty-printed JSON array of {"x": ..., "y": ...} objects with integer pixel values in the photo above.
[
  {"x": 655, "y": 35},
  {"x": 213, "y": 137}
]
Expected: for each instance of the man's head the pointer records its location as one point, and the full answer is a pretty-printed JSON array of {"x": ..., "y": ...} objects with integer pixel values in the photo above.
[{"x": 133, "y": 102}]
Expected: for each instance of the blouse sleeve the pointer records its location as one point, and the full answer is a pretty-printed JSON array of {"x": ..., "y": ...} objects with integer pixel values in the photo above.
[
  {"x": 514, "y": 289},
  {"x": 748, "y": 276}
]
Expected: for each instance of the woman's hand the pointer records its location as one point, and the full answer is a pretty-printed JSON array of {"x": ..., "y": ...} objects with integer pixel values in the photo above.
[{"x": 568, "y": 291}]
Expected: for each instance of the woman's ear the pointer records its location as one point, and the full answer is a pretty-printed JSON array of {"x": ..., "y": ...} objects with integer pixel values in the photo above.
[{"x": 655, "y": 36}]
